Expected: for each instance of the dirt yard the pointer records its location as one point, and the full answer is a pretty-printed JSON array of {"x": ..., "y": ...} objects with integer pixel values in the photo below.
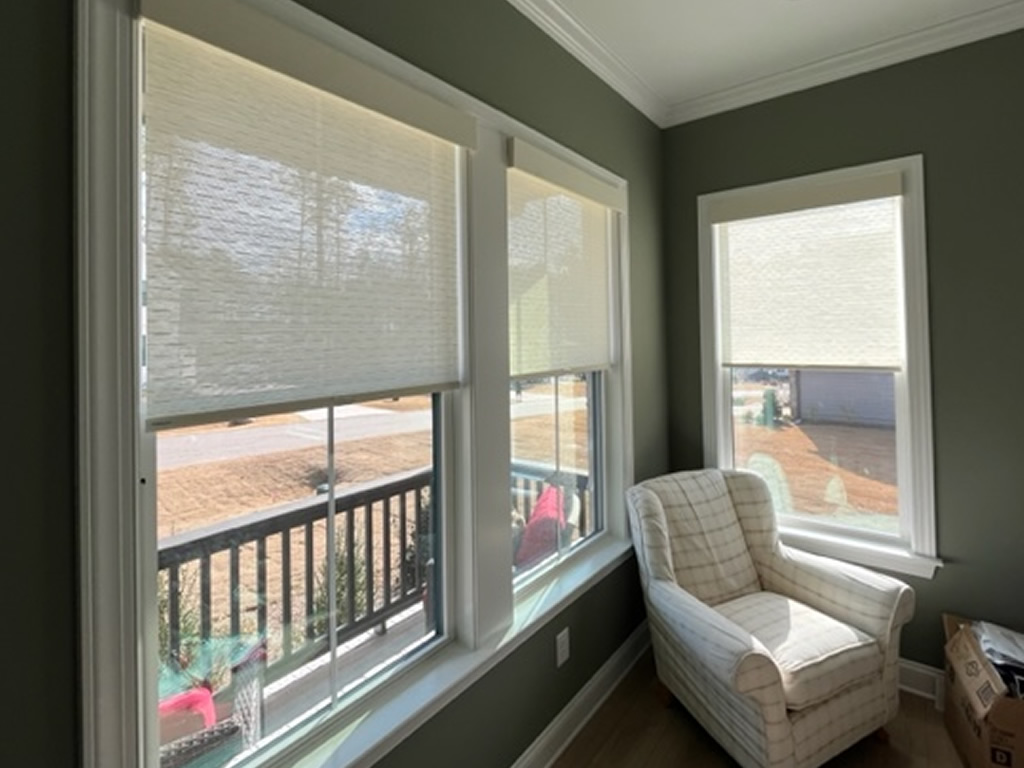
[
  {"x": 202, "y": 494},
  {"x": 828, "y": 466}
]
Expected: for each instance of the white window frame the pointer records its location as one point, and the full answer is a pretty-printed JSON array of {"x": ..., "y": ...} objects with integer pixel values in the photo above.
[
  {"x": 914, "y": 550},
  {"x": 525, "y": 580},
  {"x": 551, "y": 168},
  {"x": 486, "y": 620}
]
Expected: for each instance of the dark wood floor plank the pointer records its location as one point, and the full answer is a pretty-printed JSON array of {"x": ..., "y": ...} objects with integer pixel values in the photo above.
[
  {"x": 593, "y": 737},
  {"x": 635, "y": 728}
]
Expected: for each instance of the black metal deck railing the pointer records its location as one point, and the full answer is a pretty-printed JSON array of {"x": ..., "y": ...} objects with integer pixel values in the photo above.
[
  {"x": 384, "y": 570},
  {"x": 383, "y": 543},
  {"x": 529, "y": 479}
]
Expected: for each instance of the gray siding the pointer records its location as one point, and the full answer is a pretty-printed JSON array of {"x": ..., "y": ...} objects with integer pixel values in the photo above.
[{"x": 865, "y": 398}]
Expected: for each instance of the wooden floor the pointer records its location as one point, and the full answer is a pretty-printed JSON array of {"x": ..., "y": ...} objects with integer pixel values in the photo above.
[{"x": 635, "y": 728}]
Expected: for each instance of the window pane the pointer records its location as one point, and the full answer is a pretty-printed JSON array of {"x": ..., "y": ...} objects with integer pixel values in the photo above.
[
  {"x": 824, "y": 440},
  {"x": 552, "y": 437},
  {"x": 387, "y": 529},
  {"x": 244, "y": 583}
]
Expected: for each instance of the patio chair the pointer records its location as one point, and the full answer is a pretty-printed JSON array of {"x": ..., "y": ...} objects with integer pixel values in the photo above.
[
  {"x": 214, "y": 745},
  {"x": 785, "y": 658}
]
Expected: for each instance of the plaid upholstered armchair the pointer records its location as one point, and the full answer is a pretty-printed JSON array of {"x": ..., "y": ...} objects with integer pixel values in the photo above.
[{"x": 784, "y": 657}]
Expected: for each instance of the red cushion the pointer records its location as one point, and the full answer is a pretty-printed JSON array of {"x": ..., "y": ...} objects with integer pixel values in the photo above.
[
  {"x": 198, "y": 700},
  {"x": 540, "y": 537}
]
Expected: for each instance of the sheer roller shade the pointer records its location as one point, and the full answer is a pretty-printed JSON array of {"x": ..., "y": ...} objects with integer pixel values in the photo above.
[
  {"x": 816, "y": 287},
  {"x": 298, "y": 249},
  {"x": 534, "y": 161},
  {"x": 255, "y": 34},
  {"x": 559, "y": 248}
]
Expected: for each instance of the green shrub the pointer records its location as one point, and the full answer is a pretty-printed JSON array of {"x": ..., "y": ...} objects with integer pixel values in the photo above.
[
  {"x": 189, "y": 640},
  {"x": 321, "y": 597}
]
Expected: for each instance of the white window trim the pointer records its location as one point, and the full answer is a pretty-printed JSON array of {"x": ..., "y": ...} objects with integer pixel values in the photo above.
[
  {"x": 107, "y": 413},
  {"x": 914, "y": 551},
  {"x": 614, "y": 381},
  {"x": 487, "y": 621}
]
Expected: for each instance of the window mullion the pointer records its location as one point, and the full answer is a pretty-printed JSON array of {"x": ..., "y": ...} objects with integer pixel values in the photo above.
[
  {"x": 332, "y": 559},
  {"x": 482, "y": 588},
  {"x": 558, "y": 455}
]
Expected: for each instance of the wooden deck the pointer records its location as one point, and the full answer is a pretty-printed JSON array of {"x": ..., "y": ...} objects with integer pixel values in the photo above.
[{"x": 295, "y": 695}]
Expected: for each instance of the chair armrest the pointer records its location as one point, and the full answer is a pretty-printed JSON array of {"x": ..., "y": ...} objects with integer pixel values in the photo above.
[
  {"x": 729, "y": 653},
  {"x": 872, "y": 602}
]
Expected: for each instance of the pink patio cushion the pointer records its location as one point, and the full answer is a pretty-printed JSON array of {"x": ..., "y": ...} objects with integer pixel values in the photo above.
[
  {"x": 540, "y": 537},
  {"x": 197, "y": 700}
]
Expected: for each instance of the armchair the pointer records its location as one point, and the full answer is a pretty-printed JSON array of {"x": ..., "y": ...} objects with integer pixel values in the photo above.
[{"x": 784, "y": 657}]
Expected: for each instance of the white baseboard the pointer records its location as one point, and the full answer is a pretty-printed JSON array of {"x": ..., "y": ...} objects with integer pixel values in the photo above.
[
  {"x": 560, "y": 732},
  {"x": 923, "y": 680}
]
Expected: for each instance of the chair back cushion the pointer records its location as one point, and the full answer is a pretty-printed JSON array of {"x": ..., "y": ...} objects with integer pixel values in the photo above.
[
  {"x": 698, "y": 538},
  {"x": 752, "y": 500}
]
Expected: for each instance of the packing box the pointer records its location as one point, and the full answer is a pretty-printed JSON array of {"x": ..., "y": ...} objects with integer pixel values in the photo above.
[{"x": 986, "y": 726}]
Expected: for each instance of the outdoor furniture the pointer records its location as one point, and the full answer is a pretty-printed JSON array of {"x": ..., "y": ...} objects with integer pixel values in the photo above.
[
  {"x": 216, "y": 742},
  {"x": 209, "y": 748},
  {"x": 554, "y": 517},
  {"x": 785, "y": 658}
]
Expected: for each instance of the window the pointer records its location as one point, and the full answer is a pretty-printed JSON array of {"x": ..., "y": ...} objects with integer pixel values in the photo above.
[
  {"x": 295, "y": 459},
  {"x": 301, "y": 322},
  {"x": 816, "y": 358},
  {"x": 555, "y": 455},
  {"x": 560, "y": 252}
]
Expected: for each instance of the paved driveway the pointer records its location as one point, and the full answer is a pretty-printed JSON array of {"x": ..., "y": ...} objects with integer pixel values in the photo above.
[{"x": 351, "y": 422}]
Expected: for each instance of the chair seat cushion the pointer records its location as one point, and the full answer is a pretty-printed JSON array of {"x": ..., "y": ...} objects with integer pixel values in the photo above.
[{"x": 816, "y": 655}]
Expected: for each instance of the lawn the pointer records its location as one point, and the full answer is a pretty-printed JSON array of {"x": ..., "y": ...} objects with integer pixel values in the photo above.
[{"x": 829, "y": 468}]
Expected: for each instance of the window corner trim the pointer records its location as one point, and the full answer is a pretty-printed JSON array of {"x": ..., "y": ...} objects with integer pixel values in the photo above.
[{"x": 896, "y": 558}]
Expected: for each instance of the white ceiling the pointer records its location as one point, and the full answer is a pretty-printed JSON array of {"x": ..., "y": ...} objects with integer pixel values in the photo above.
[{"x": 677, "y": 60}]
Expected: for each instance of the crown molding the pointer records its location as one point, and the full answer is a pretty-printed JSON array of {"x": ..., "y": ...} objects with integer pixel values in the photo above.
[
  {"x": 571, "y": 35},
  {"x": 559, "y": 25}
]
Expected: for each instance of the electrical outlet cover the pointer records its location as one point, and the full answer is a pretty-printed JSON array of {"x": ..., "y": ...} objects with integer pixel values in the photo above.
[{"x": 562, "y": 647}]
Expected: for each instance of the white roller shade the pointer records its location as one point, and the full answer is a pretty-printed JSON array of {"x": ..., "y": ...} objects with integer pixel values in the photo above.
[
  {"x": 817, "y": 287},
  {"x": 298, "y": 249},
  {"x": 558, "y": 279},
  {"x": 534, "y": 161},
  {"x": 239, "y": 27}
]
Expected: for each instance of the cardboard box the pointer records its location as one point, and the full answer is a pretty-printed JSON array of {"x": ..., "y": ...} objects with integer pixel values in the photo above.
[{"x": 987, "y": 727}]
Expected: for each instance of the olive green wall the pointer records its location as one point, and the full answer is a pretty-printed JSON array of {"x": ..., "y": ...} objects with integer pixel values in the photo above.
[
  {"x": 38, "y": 676},
  {"x": 963, "y": 110},
  {"x": 481, "y": 46},
  {"x": 492, "y": 723}
]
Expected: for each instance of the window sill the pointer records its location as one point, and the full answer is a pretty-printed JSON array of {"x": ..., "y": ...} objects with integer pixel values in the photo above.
[
  {"x": 896, "y": 559},
  {"x": 363, "y": 733}
]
